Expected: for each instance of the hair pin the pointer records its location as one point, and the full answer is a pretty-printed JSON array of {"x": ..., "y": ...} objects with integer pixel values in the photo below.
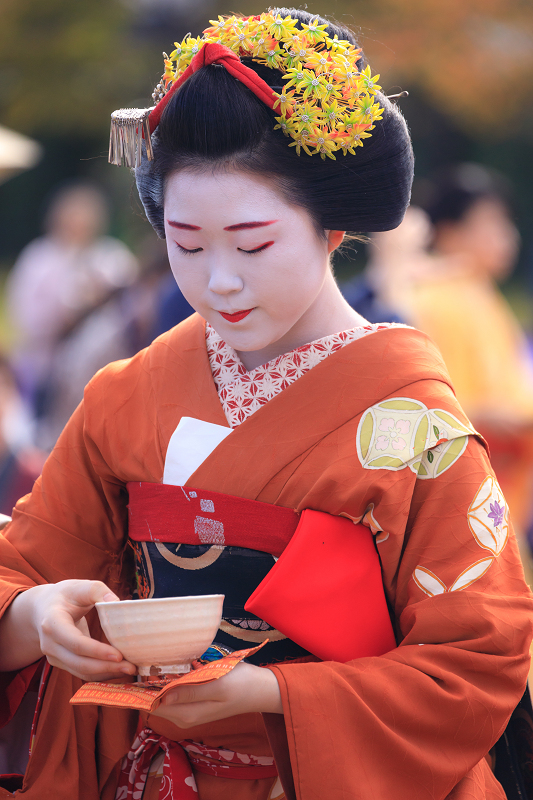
[{"x": 129, "y": 126}]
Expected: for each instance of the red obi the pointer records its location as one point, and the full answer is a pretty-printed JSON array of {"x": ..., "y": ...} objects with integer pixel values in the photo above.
[
  {"x": 325, "y": 591},
  {"x": 160, "y": 512}
]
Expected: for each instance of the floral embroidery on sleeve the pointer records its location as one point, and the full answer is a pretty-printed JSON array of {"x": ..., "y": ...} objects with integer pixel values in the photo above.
[
  {"x": 431, "y": 585},
  {"x": 488, "y": 520},
  {"x": 488, "y": 517},
  {"x": 402, "y": 432}
]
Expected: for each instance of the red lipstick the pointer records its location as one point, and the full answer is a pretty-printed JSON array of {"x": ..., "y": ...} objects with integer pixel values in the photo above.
[{"x": 237, "y": 316}]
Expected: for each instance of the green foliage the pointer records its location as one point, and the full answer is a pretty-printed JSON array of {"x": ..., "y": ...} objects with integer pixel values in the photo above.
[{"x": 66, "y": 64}]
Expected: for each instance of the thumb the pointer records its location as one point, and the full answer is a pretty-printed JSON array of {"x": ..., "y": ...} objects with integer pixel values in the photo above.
[
  {"x": 84, "y": 594},
  {"x": 82, "y": 626}
]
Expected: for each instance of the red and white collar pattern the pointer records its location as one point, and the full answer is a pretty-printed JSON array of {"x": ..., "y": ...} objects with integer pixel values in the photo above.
[{"x": 242, "y": 393}]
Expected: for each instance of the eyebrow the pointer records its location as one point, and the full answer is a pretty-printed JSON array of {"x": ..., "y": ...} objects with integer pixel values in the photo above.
[
  {"x": 183, "y": 226},
  {"x": 241, "y": 226}
]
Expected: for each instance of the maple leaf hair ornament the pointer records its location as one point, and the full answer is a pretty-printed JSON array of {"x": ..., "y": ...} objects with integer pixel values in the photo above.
[{"x": 327, "y": 104}]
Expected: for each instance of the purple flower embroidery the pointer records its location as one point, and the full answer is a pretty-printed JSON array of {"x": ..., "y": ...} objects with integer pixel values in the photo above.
[{"x": 496, "y": 514}]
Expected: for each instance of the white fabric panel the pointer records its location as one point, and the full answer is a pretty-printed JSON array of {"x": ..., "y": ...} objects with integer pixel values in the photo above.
[{"x": 190, "y": 444}]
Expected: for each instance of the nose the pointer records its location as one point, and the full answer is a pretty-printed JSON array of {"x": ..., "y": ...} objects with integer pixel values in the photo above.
[{"x": 223, "y": 279}]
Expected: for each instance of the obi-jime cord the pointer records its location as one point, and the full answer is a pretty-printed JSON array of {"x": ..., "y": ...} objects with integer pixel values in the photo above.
[{"x": 177, "y": 778}]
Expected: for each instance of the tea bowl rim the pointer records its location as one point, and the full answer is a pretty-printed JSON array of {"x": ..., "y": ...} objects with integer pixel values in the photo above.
[{"x": 162, "y": 600}]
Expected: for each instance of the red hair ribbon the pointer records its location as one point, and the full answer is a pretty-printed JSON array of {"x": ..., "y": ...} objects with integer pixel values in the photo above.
[{"x": 212, "y": 53}]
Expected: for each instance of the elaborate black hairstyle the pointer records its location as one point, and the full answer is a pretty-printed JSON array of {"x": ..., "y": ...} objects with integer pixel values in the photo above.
[{"x": 214, "y": 122}]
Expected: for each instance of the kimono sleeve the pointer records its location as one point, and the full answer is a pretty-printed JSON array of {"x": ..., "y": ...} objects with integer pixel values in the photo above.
[
  {"x": 418, "y": 721},
  {"x": 72, "y": 525}
]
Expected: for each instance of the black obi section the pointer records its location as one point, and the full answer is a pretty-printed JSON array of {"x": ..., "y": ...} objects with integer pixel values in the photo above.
[{"x": 166, "y": 569}]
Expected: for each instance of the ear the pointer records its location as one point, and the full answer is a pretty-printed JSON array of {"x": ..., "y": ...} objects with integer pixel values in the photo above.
[{"x": 335, "y": 239}]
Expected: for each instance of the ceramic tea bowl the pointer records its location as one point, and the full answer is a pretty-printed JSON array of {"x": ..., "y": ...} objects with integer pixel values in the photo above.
[{"x": 162, "y": 635}]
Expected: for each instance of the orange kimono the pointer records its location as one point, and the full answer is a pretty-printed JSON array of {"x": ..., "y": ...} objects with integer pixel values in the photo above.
[{"x": 373, "y": 433}]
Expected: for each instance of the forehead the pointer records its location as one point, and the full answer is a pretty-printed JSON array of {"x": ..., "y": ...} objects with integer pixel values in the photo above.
[{"x": 222, "y": 195}]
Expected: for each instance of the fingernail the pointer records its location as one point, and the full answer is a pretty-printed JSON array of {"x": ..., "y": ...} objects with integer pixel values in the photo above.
[
  {"x": 109, "y": 597},
  {"x": 114, "y": 658},
  {"x": 128, "y": 670}
]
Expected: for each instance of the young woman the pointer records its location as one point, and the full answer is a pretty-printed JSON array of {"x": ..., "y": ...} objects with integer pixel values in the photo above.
[{"x": 274, "y": 391}]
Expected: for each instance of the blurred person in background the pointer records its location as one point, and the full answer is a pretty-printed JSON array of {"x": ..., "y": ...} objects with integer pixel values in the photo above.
[
  {"x": 117, "y": 327},
  {"x": 172, "y": 307},
  {"x": 59, "y": 277},
  {"x": 452, "y": 294},
  {"x": 20, "y": 462},
  {"x": 382, "y": 292}
]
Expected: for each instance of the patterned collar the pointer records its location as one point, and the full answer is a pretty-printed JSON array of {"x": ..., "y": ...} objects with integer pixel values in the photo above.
[{"x": 242, "y": 393}]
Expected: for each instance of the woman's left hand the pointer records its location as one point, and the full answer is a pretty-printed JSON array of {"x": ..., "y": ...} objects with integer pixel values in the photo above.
[{"x": 246, "y": 688}]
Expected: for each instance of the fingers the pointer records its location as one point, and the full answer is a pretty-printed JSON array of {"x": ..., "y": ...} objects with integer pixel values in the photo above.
[
  {"x": 188, "y": 694},
  {"x": 88, "y": 668},
  {"x": 187, "y": 706},
  {"x": 64, "y": 634},
  {"x": 67, "y": 647},
  {"x": 241, "y": 680},
  {"x": 246, "y": 688},
  {"x": 59, "y": 631},
  {"x": 82, "y": 595},
  {"x": 82, "y": 626},
  {"x": 58, "y": 626}
]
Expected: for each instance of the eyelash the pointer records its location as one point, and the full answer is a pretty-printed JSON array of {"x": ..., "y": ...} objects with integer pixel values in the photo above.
[
  {"x": 260, "y": 249},
  {"x": 188, "y": 252}
]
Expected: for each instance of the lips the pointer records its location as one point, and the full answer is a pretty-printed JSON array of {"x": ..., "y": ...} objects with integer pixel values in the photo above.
[{"x": 237, "y": 316}]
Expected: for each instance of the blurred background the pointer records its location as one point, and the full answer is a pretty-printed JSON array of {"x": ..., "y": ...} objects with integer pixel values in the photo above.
[{"x": 84, "y": 280}]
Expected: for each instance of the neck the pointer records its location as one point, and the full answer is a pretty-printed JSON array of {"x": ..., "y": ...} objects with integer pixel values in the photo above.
[{"x": 329, "y": 314}]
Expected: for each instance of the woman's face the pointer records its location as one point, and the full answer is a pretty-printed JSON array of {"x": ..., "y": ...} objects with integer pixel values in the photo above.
[
  {"x": 486, "y": 238},
  {"x": 247, "y": 261}
]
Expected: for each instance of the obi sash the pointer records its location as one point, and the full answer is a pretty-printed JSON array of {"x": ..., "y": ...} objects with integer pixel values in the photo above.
[
  {"x": 192, "y": 542},
  {"x": 322, "y": 591},
  {"x": 165, "y": 513}
]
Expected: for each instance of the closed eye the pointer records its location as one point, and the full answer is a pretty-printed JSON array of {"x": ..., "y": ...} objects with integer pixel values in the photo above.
[
  {"x": 259, "y": 249},
  {"x": 188, "y": 252}
]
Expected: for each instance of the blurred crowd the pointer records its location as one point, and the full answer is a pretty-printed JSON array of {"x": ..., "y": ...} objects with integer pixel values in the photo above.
[
  {"x": 78, "y": 298},
  {"x": 75, "y": 299}
]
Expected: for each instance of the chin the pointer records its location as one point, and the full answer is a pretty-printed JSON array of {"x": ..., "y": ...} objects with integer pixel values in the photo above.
[
  {"x": 249, "y": 337},
  {"x": 247, "y": 342}
]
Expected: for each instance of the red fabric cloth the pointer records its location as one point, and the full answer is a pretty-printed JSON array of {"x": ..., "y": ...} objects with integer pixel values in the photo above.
[
  {"x": 326, "y": 591},
  {"x": 13, "y": 687},
  {"x": 160, "y": 512},
  {"x": 178, "y": 779},
  {"x": 217, "y": 54}
]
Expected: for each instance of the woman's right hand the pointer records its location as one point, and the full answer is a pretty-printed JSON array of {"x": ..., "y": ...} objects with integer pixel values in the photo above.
[{"x": 50, "y": 620}]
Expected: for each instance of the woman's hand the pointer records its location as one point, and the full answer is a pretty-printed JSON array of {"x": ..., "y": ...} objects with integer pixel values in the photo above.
[
  {"x": 50, "y": 620},
  {"x": 246, "y": 688}
]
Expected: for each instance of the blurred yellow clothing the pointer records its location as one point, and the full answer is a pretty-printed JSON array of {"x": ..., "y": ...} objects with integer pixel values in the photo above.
[
  {"x": 486, "y": 353},
  {"x": 482, "y": 344}
]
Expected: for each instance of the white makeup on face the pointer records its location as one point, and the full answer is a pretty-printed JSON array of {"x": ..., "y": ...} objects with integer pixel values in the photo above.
[{"x": 252, "y": 264}]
